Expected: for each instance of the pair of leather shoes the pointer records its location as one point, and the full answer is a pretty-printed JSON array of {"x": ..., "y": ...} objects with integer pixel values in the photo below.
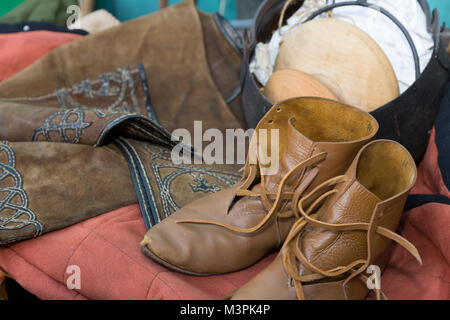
[{"x": 332, "y": 206}]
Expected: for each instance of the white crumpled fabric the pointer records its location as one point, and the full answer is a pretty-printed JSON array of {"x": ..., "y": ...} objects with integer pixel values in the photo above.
[{"x": 378, "y": 26}]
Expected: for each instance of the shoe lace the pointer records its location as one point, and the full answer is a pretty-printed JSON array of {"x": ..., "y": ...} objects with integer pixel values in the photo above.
[
  {"x": 272, "y": 202},
  {"x": 293, "y": 257}
]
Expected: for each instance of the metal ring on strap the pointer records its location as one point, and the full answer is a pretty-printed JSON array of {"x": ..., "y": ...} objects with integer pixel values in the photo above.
[{"x": 364, "y": 3}]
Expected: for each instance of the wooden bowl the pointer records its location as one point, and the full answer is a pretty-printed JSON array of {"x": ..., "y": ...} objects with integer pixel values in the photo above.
[
  {"x": 289, "y": 83},
  {"x": 341, "y": 54}
]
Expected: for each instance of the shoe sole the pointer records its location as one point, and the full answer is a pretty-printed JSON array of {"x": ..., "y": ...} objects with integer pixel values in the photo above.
[{"x": 157, "y": 259}]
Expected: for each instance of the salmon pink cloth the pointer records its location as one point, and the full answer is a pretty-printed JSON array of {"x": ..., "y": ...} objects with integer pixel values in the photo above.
[
  {"x": 428, "y": 228},
  {"x": 19, "y": 50},
  {"x": 112, "y": 266},
  {"x": 106, "y": 249}
]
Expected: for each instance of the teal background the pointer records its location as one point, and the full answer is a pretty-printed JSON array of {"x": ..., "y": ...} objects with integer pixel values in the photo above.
[
  {"x": 444, "y": 9},
  {"x": 129, "y": 9},
  {"x": 8, "y": 5}
]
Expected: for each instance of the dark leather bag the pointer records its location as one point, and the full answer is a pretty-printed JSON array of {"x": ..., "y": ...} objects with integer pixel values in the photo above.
[{"x": 407, "y": 119}]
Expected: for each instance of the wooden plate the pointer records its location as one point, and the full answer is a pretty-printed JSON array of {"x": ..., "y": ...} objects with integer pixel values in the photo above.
[
  {"x": 289, "y": 83},
  {"x": 344, "y": 58}
]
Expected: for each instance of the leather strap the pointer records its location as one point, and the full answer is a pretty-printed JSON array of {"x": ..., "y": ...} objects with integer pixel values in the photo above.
[
  {"x": 293, "y": 255},
  {"x": 275, "y": 206}
]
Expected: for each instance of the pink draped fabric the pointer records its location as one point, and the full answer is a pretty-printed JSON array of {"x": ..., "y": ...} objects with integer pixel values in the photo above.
[
  {"x": 19, "y": 50},
  {"x": 106, "y": 249}
]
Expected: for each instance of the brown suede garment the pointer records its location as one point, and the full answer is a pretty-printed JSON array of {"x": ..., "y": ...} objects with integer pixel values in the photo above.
[
  {"x": 90, "y": 149},
  {"x": 85, "y": 112},
  {"x": 190, "y": 65},
  {"x": 100, "y": 144},
  {"x": 48, "y": 186}
]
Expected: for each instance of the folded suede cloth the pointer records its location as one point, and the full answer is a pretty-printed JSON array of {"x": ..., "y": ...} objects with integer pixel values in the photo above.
[
  {"x": 88, "y": 149},
  {"x": 193, "y": 71},
  {"x": 19, "y": 50},
  {"x": 104, "y": 141}
]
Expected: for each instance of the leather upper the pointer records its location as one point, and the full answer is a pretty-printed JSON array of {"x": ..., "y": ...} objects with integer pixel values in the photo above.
[
  {"x": 329, "y": 249},
  {"x": 318, "y": 139}
]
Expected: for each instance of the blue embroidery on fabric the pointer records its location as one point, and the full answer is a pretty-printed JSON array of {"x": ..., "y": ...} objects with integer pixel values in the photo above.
[
  {"x": 201, "y": 185},
  {"x": 146, "y": 194},
  {"x": 72, "y": 121},
  {"x": 198, "y": 174},
  {"x": 14, "y": 211},
  {"x": 141, "y": 183},
  {"x": 164, "y": 184},
  {"x": 113, "y": 84},
  {"x": 161, "y": 153},
  {"x": 148, "y": 106}
]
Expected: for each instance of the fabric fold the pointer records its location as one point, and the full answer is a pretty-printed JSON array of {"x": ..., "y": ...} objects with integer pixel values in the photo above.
[
  {"x": 19, "y": 50},
  {"x": 88, "y": 149},
  {"x": 189, "y": 79},
  {"x": 87, "y": 112}
]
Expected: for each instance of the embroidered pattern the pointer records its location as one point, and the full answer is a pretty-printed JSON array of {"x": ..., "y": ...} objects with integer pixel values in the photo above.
[
  {"x": 69, "y": 127},
  {"x": 164, "y": 183},
  {"x": 14, "y": 211},
  {"x": 153, "y": 187},
  {"x": 201, "y": 185},
  {"x": 113, "y": 84},
  {"x": 159, "y": 153}
]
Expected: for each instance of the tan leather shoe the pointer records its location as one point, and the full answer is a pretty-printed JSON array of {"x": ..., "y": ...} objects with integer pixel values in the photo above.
[
  {"x": 328, "y": 250},
  {"x": 234, "y": 228}
]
